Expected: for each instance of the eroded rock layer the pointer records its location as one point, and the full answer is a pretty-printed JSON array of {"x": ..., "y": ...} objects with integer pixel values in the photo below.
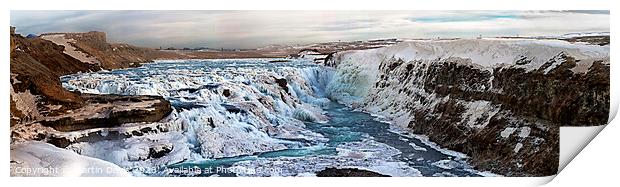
[{"x": 109, "y": 111}]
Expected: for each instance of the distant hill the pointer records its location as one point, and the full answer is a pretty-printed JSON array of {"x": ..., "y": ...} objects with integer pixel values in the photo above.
[{"x": 110, "y": 55}]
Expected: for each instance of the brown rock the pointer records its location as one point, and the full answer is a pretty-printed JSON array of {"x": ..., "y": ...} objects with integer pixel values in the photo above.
[
  {"x": 109, "y": 111},
  {"x": 348, "y": 172},
  {"x": 282, "y": 83}
]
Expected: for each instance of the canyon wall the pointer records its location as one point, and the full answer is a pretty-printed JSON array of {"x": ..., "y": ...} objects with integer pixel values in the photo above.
[
  {"x": 36, "y": 65},
  {"x": 38, "y": 62},
  {"x": 499, "y": 101}
]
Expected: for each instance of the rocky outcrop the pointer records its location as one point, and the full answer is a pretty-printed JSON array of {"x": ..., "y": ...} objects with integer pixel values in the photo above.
[
  {"x": 36, "y": 65},
  {"x": 282, "y": 83},
  {"x": 595, "y": 40},
  {"x": 39, "y": 132},
  {"x": 348, "y": 172},
  {"x": 160, "y": 150},
  {"x": 560, "y": 96},
  {"x": 109, "y": 111}
]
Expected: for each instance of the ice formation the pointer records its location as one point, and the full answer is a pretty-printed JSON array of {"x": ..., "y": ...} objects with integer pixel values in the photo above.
[{"x": 223, "y": 108}]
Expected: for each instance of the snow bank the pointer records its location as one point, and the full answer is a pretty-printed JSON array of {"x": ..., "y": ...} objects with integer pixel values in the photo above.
[
  {"x": 36, "y": 159},
  {"x": 139, "y": 154},
  {"x": 426, "y": 141}
]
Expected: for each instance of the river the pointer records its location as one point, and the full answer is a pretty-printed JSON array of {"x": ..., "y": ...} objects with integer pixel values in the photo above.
[{"x": 349, "y": 126}]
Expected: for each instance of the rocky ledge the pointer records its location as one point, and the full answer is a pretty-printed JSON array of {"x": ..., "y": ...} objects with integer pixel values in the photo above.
[
  {"x": 115, "y": 116},
  {"x": 348, "y": 172},
  {"x": 109, "y": 111}
]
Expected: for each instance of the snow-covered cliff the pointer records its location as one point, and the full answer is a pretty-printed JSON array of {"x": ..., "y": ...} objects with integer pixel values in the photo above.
[{"x": 501, "y": 101}]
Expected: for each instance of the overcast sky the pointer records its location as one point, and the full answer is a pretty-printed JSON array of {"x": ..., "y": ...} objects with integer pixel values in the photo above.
[{"x": 249, "y": 29}]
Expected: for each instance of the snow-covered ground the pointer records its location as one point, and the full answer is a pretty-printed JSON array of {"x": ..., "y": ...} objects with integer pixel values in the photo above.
[{"x": 37, "y": 159}]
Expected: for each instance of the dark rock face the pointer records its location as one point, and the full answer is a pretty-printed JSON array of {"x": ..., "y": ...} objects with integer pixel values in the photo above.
[
  {"x": 211, "y": 87},
  {"x": 560, "y": 96},
  {"x": 328, "y": 58},
  {"x": 109, "y": 111},
  {"x": 332, "y": 60},
  {"x": 594, "y": 40},
  {"x": 349, "y": 172},
  {"x": 226, "y": 93},
  {"x": 282, "y": 83},
  {"x": 233, "y": 109},
  {"x": 160, "y": 151},
  {"x": 519, "y": 113},
  {"x": 277, "y": 61}
]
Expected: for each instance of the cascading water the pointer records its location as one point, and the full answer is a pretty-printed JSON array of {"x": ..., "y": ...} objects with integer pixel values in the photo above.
[{"x": 257, "y": 118}]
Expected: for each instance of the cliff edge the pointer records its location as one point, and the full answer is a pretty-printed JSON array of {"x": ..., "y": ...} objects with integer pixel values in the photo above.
[{"x": 37, "y": 96}]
